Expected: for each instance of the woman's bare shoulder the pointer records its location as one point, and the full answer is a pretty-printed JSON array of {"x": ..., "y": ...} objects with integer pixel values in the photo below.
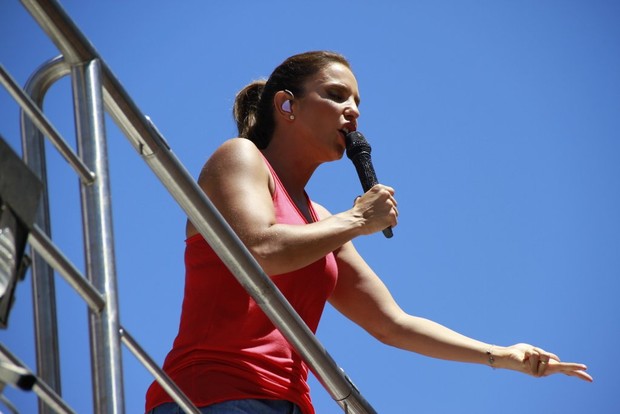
[
  {"x": 236, "y": 155},
  {"x": 232, "y": 174},
  {"x": 238, "y": 148}
]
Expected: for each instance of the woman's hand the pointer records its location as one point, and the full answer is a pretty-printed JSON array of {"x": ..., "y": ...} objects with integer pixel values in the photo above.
[
  {"x": 539, "y": 363},
  {"x": 377, "y": 207}
]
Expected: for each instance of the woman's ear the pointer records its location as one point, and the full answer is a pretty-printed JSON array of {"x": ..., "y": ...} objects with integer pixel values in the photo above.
[{"x": 283, "y": 101}]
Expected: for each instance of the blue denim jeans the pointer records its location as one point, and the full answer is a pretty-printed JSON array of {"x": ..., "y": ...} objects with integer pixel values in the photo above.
[{"x": 236, "y": 407}]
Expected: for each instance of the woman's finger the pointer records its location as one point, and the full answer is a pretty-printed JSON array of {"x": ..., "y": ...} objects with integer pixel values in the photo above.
[
  {"x": 569, "y": 368},
  {"x": 543, "y": 363},
  {"x": 581, "y": 375},
  {"x": 533, "y": 360},
  {"x": 395, "y": 211}
]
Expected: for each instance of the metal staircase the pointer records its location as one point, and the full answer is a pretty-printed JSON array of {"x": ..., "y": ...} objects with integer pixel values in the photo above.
[{"x": 97, "y": 91}]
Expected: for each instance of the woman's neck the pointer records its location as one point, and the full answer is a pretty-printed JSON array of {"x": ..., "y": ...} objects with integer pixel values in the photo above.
[{"x": 293, "y": 169}]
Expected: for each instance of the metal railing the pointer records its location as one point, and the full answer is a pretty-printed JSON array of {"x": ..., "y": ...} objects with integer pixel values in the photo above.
[{"x": 95, "y": 88}]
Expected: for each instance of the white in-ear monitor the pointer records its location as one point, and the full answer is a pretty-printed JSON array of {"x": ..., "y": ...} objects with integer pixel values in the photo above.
[{"x": 286, "y": 106}]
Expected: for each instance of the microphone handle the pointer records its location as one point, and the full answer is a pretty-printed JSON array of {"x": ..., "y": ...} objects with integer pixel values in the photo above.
[{"x": 368, "y": 178}]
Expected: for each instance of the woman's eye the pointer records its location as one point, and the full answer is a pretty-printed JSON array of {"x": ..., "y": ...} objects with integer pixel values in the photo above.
[{"x": 336, "y": 96}]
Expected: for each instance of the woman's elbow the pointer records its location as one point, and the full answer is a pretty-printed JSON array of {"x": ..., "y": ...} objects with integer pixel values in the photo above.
[
  {"x": 386, "y": 332},
  {"x": 263, "y": 256},
  {"x": 269, "y": 258}
]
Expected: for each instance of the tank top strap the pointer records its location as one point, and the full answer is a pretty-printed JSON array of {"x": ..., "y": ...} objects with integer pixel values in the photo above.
[{"x": 280, "y": 192}]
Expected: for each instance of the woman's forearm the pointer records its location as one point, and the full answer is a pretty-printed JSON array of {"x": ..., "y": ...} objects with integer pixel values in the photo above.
[
  {"x": 283, "y": 248},
  {"x": 429, "y": 338}
]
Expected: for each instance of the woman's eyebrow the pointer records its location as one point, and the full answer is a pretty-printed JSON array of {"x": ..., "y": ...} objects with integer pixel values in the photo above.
[{"x": 343, "y": 86}]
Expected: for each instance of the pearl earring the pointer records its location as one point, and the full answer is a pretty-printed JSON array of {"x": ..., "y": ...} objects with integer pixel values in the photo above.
[{"x": 291, "y": 117}]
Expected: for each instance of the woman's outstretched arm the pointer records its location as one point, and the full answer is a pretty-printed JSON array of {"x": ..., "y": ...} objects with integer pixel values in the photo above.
[{"x": 362, "y": 297}]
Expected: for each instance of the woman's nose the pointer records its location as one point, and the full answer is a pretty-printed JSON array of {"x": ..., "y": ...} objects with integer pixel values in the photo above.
[{"x": 352, "y": 111}]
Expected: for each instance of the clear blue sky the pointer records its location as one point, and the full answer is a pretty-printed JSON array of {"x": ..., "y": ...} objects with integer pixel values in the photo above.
[{"x": 497, "y": 122}]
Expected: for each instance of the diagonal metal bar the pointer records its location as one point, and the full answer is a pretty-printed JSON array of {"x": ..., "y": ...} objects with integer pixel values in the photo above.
[
  {"x": 52, "y": 255},
  {"x": 41, "y": 121},
  {"x": 160, "y": 375},
  {"x": 157, "y": 154},
  {"x": 43, "y": 391}
]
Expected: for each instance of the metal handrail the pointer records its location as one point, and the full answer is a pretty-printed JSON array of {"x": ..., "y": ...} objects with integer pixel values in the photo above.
[
  {"x": 43, "y": 282},
  {"x": 151, "y": 145},
  {"x": 43, "y": 124},
  {"x": 44, "y": 391},
  {"x": 46, "y": 254}
]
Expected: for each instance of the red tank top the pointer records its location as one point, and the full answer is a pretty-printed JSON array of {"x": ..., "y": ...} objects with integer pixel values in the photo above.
[{"x": 226, "y": 347}]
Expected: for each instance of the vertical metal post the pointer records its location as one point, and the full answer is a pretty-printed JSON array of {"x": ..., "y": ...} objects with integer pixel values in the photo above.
[
  {"x": 148, "y": 142},
  {"x": 98, "y": 239},
  {"x": 43, "y": 286}
]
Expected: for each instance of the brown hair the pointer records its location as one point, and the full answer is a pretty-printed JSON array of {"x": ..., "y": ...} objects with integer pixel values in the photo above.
[{"x": 253, "y": 108}]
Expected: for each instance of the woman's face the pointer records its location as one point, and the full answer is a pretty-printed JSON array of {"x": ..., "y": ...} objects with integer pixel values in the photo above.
[{"x": 328, "y": 110}]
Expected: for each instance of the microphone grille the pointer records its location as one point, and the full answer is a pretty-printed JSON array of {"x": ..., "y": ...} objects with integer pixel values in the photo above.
[{"x": 356, "y": 144}]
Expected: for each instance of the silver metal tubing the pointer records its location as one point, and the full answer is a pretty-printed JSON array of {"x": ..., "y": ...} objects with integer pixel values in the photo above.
[
  {"x": 200, "y": 210},
  {"x": 46, "y": 253},
  {"x": 43, "y": 391},
  {"x": 15, "y": 375},
  {"x": 52, "y": 255},
  {"x": 60, "y": 29},
  {"x": 43, "y": 282},
  {"x": 99, "y": 239},
  {"x": 228, "y": 246},
  {"x": 8, "y": 404},
  {"x": 55, "y": 403},
  {"x": 160, "y": 375},
  {"x": 45, "y": 125}
]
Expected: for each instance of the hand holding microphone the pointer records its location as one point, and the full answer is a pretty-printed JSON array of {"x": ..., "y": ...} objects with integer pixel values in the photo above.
[{"x": 358, "y": 151}]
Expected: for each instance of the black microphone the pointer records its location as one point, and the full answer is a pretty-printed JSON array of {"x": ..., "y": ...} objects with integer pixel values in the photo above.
[{"x": 358, "y": 151}]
